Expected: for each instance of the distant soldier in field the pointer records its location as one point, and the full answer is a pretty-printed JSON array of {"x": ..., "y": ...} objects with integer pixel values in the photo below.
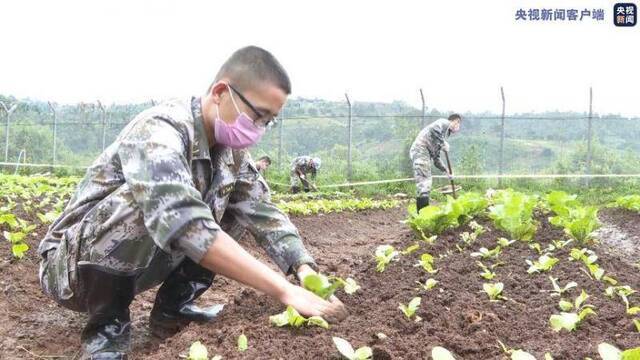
[
  {"x": 302, "y": 168},
  {"x": 426, "y": 149},
  {"x": 164, "y": 204},
  {"x": 262, "y": 164}
]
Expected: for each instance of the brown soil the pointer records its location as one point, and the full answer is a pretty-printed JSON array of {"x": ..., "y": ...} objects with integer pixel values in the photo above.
[{"x": 456, "y": 314}]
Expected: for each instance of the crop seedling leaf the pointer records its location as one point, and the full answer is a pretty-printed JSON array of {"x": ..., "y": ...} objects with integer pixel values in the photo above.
[
  {"x": 565, "y": 320},
  {"x": 565, "y": 305},
  {"x": 409, "y": 310},
  {"x": 347, "y": 351},
  {"x": 292, "y": 318},
  {"x": 494, "y": 291},
  {"x": 426, "y": 261},
  {"x": 19, "y": 249},
  {"x": 440, "y": 353},
  {"x": 504, "y": 242},
  {"x": 384, "y": 254},
  {"x": 521, "y": 355},
  {"x": 350, "y": 285},
  {"x": 410, "y": 249},
  {"x": 243, "y": 343},
  {"x": 318, "y": 321},
  {"x": 321, "y": 285},
  {"x": 197, "y": 351},
  {"x": 609, "y": 352},
  {"x": 544, "y": 263}
]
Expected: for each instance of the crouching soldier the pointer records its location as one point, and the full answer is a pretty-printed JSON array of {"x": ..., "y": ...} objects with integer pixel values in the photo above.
[{"x": 155, "y": 208}]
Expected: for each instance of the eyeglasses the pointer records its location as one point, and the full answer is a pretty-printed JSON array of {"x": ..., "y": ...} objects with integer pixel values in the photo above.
[{"x": 261, "y": 120}]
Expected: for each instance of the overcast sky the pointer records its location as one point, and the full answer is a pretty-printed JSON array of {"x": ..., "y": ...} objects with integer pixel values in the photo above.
[{"x": 133, "y": 50}]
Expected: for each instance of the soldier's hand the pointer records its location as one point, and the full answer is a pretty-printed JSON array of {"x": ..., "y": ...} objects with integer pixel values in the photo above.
[
  {"x": 449, "y": 176},
  {"x": 309, "y": 304},
  {"x": 304, "y": 270},
  {"x": 445, "y": 147}
]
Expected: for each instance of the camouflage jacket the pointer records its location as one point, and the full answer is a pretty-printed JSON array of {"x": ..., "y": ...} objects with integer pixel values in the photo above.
[
  {"x": 161, "y": 163},
  {"x": 430, "y": 142},
  {"x": 303, "y": 165}
]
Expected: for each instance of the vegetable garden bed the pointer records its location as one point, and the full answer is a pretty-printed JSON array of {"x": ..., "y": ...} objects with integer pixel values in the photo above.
[{"x": 455, "y": 313}]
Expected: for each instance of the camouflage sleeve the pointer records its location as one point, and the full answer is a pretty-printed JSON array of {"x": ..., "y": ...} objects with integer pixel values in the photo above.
[
  {"x": 437, "y": 161},
  {"x": 251, "y": 205},
  {"x": 437, "y": 139},
  {"x": 154, "y": 164}
]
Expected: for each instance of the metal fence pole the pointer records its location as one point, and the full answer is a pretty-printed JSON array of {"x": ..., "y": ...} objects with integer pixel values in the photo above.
[
  {"x": 423, "y": 110},
  {"x": 55, "y": 131},
  {"x": 104, "y": 123},
  {"x": 501, "y": 165},
  {"x": 349, "y": 170},
  {"x": 589, "y": 134},
  {"x": 280, "y": 140},
  {"x": 8, "y": 112}
]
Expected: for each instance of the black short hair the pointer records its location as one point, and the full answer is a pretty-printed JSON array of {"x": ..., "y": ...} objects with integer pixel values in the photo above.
[
  {"x": 265, "y": 158},
  {"x": 252, "y": 64},
  {"x": 455, "y": 117}
]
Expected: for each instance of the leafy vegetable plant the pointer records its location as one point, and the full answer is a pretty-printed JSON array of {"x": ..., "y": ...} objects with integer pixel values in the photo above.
[
  {"x": 434, "y": 219},
  {"x": 343, "y": 346},
  {"x": 559, "y": 291},
  {"x": 513, "y": 213},
  {"x": 610, "y": 352},
  {"x": 197, "y": 351},
  {"x": 487, "y": 272},
  {"x": 504, "y": 242},
  {"x": 440, "y": 353},
  {"x": 409, "y": 310},
  {"x": 293, "y": 318},
  {"x": 243, "y": 343},
  {"x": 428, "y": 285},
  {"x": 324, "y": 286},
  {"x": 544, "y": 263},
  {"x": 629, "y": 202},
  {"x": 570, "y": 320},
  {"x": 384, "y": 254},
  {"x": 494, "y": 291},
  {"x": 427, "y": 263},
  {"x": 486, "y": 253}
]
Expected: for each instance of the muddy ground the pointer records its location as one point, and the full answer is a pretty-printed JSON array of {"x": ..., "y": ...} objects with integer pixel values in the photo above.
[{"x": 456, "y": 314}]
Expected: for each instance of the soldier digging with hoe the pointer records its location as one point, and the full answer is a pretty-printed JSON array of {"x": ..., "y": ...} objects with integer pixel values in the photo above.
[
  {"x": 164, "y": 204},
  {"x": 426, "y": 149}
]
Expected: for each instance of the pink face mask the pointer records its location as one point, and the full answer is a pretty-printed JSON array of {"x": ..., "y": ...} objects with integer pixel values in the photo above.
[{"x": 242, "y": 134}]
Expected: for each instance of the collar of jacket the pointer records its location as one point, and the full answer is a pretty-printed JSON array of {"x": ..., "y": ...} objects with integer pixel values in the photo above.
[{"x": 201, "y": 144}]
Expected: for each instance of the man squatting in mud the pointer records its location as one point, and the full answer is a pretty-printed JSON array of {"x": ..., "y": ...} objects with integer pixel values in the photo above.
[{"x": 165, "y": 203}]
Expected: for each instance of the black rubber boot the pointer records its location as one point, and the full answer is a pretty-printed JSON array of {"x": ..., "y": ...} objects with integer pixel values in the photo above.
[
  {"x": 295, "y": 189},
  {"x": 174, "y": 306},
  {"x": 107, "y": 297},
  {"x": 422, "y": 201}
]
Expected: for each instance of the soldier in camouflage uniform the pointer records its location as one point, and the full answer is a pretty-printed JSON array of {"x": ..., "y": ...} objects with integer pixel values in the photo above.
[
  {"x": 425, "y": 149},
  {"x": 301, "y": 167},
  {"x": 163, "y": 204},
  {"x": 262, "y": 164}
]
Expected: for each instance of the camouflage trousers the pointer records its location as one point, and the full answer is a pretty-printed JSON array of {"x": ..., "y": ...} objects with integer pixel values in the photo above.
[
  {"x": 294, "y": 180},
  {"x": 422, "y": 174},
  {"x": 113, "y": 248}
]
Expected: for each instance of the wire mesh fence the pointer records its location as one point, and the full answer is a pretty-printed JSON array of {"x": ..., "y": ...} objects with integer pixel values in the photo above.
[{"x": 357, "y": 141}]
